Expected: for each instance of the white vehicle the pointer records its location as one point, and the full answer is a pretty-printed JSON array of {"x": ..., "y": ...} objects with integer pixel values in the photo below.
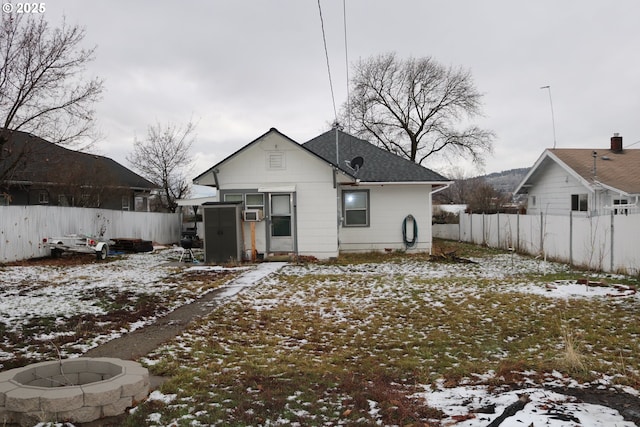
[{"x": 78, "y": 243}]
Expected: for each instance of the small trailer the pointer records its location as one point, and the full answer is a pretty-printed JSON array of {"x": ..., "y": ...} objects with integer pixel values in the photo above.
[{"x": 78, "y": 243}]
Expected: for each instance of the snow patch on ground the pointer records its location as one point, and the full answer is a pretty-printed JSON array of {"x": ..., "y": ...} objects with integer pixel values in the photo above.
[{"x": 545, "y": 407}]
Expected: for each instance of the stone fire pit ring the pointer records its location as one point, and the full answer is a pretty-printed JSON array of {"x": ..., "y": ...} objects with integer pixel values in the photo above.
[{"x": 75, "y": 390}]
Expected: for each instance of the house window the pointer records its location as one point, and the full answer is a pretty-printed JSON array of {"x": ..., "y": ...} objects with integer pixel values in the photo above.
[
  {"x": 355, "y": 208},
  {"x": 141, "y": 204},
  {"x": 254, "y": 201},
  {"x": 4, "y": 200},
  {"x": 125, "y": 203},
  {"x": 620, "y": 211},
  {"x": 43, "y": 198},
  {"x": 63, "y": 200},
  {"x": 233, "y": 197},
  {"x": 275, "y": 160},
  {"x": 579, "y": 202}
]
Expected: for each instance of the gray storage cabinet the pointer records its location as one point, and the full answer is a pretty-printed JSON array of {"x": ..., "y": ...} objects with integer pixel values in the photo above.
[{"x": 222, "y": 232}]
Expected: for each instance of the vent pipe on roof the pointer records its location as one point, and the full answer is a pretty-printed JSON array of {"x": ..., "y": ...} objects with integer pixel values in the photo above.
[{"x": 616, "y": 143}]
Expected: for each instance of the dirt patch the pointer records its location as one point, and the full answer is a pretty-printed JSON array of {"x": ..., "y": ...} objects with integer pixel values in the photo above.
[
  {"x": 65, "y": 259},
  {"x": 625, "y": 403}
]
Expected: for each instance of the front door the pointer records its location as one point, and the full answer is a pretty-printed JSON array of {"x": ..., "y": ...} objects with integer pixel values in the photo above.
[{"x": 281, "y": 223}]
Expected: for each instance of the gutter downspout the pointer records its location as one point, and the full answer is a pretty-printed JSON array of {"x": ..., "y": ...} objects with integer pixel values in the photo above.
[
  {"x": 334, "y": 175},
  {"x": 431, "y": 193},
  {"x": 439, "y": 189}
]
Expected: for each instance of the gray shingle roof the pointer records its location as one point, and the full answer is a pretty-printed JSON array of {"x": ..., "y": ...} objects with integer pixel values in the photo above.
[
  {"x": 45, "y": 162},
  {"x": 379, "y": 165}
]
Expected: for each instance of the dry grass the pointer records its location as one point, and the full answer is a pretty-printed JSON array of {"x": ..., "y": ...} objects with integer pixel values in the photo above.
[
  {"x": 572, "y": 360},
  {"x": 348, "y": 342}
]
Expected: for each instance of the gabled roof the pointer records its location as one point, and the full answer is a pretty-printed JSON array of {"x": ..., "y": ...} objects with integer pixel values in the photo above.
[
  {"x": 379, "y": 165},
  {"x": 617, "y": 170},
  {"x": 272, "y": 130},
  {"x": 45, "y": 163}
]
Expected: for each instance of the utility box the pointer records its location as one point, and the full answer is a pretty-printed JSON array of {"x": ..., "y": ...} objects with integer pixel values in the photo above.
[{"x": 222, "y": 232}]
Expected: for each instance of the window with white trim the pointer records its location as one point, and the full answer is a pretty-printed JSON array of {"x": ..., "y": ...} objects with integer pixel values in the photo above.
[
  {"x": 254, "y": 201},
  {"x": 579, "y": 202},
  {"x": 620, "y": 211},
  {"x": 355, "y": 208},
  {"x": 233, "y": 197},
  {"x": 43, "y": 198},
  {"x": 141, "y": 204}
]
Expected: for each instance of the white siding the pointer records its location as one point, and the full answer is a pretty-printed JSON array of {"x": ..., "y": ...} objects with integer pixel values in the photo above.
[
  {"x": 389, "y": 206},
  {"x": 553, "y": 190},
  {"x": 275, "y": 161},
  {"x": 250, "y": 167},
  {"x": 317, "y": 211}
]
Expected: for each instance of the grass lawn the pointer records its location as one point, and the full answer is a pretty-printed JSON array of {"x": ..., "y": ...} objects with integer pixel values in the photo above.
[{"x": 350, "y": 342}]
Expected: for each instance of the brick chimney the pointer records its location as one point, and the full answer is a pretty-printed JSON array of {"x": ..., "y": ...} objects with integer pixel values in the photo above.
[{"x": 616, "y": 143}]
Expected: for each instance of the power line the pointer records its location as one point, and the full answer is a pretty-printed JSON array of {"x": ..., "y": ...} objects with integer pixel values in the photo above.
[
  {"x": 346, "y": 60},
  {"x": 326, "y": 54},
  {"x": 637, "y": 142}
]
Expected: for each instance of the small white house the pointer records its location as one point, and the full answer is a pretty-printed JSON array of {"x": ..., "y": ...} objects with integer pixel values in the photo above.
[
  {"x": 304, "y": 199},
  {"x": 584, "y": 182}
]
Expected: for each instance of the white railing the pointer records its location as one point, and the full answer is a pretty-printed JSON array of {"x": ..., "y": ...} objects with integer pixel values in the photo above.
[{"x": 22, "y": 228}]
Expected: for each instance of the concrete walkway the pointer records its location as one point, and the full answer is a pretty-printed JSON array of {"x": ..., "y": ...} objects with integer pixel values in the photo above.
[{"x": 140, "y": 342}]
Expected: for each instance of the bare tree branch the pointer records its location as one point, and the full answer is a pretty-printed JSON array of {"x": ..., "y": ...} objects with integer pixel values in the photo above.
[
  {"x": 413, "y": 108},
  {"x": 164, "y": 157},
  {"x": 42, "y": 89}
]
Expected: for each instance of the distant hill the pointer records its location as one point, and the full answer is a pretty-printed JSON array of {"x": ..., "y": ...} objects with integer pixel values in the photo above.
[{"x": 506, "y": 181}]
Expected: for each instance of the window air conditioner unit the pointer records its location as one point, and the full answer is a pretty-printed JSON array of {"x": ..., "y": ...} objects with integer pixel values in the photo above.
[{"x": 252, "y": 215}]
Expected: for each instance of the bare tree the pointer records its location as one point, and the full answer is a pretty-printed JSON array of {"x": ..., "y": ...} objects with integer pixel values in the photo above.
[
  {"x": 483, "y": 197},
  {"x": 458, "y": 192},
  {"x": 41, "y": 86},
  {"x": 413, "y": 108},
  {"x": 475, "y": 192},
  {"x": 165, "y": 158}
]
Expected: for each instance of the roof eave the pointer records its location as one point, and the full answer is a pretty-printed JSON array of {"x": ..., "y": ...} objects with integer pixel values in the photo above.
[
  {"x": 405, "y": 182},
  {"x": 547, "y": 154}
]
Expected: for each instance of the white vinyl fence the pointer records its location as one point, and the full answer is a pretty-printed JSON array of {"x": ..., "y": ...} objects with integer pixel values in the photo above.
[
  {"x": 22, "y": 228},
  {"x": 607, "y": 243}
]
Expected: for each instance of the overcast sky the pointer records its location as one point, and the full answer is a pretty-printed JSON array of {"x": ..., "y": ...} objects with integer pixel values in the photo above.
[{"x": 240, "y": 67}]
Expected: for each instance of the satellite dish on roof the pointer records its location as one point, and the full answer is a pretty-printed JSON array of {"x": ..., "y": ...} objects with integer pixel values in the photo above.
[{"x": 355, "y": 163}]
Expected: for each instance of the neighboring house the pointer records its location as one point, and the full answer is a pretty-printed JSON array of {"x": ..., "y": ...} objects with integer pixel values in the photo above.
[
  {"x": 314, "y": 203},
  {"x": 34, "y": 171},
  {"x": 585, "y": 182}
]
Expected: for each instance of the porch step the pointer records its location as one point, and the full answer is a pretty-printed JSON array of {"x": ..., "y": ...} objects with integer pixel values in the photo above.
[{"x": 279, "y": 256}]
